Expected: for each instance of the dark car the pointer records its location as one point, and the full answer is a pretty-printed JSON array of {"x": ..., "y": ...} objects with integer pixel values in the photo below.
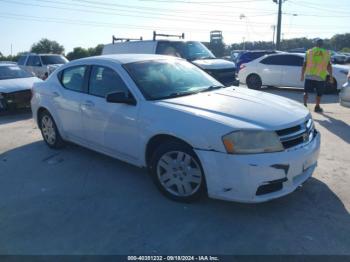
[{"x": 248, "y": 56}]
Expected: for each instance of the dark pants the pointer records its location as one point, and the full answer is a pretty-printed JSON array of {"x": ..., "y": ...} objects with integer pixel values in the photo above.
[{"x": 311, "y": 85}]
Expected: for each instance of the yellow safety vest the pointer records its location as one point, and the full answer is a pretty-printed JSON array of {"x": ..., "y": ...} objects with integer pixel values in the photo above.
[{"x": 317, "y": 60}]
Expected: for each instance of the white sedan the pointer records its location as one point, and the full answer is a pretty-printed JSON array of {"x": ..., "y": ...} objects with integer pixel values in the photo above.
[
  {"x": 194, "y": 135},
  {"x": 284, "y": 69}
]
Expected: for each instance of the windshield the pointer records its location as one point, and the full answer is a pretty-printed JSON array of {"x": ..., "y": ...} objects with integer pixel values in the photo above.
[
  {"x": 12, "y": 72},
  {"x": 53, "y": 59},
  {"x": 161, "y": 79},
  {"x": 191, "y": 50}
]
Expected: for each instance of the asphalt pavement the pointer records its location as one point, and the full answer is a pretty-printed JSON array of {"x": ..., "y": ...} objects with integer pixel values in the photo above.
[{"x": 76, "y": 201}]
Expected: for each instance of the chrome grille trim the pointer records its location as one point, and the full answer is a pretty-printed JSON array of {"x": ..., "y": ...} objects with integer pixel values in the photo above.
[{"x": 303, "y": 135}]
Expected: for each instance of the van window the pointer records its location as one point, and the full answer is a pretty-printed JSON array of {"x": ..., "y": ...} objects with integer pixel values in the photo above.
[
  {"x": 72, "y": 78},
  {"x": 21, "y": 60},
  {"x": 33, "y": 60},
  {"x": 190, "y": 50},
  {"x": 104, "y": 81}
]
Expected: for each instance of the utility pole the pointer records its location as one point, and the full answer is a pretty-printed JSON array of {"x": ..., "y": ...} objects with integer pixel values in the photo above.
[
  {"x": 273, "y": 34},
  {"x": 279, "y": 23}
]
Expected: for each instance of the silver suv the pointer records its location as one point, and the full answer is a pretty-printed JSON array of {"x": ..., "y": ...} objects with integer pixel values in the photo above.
[{"x": 40, "y": 64}]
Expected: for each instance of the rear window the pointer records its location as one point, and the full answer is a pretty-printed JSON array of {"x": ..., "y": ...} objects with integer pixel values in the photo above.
[{"x": 53, "y": 59}]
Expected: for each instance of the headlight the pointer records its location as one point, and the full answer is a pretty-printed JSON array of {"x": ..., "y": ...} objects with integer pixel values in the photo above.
[
  {"x": 345, "y": 72},
  {"x": 251, "y": 142}
]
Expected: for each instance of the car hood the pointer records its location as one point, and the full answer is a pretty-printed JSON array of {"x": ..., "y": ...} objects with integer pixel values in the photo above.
[
  {"x": 19, "y": 84},
  {"x": 242, "y": 108},
  {"x": 212, "y": 64}
]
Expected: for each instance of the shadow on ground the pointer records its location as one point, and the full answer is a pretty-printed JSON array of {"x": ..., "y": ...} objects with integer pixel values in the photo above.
[
  {"x": 15, "y": 115},
  {"x": 76, "y": 201},
  {"x": 297, "y": 95}
]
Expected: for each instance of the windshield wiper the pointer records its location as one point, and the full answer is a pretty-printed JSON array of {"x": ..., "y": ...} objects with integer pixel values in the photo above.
[
  {"x": 178, "y": 94},
  {"x": 212, "y": 87}
]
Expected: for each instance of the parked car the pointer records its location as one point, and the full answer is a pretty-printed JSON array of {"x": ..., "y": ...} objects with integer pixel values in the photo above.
[
  {"x": 8, "y": 62},
  {"x": 347, "y": 61},
  {"x": 344, "y": 95},
  {"x": 193, "y": 134},
  {"x": 15, "y": 87},
  {"x": 338, "y": 58},
  {"x": 39, "y": 64},
  {"x": 284, "y": 69},
  {"x": 248, "y": 56},
  {"x": 193, "y": 51}
]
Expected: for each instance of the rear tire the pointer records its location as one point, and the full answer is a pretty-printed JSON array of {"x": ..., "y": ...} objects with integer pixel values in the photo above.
[
  {"x": 49, "y": 131},
  {"x": 254, "y": 82},
  {"x": 177, "y": 171}
]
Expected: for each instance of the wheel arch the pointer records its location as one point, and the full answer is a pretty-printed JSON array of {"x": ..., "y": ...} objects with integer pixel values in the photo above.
[{"x": 154, "y": 141}]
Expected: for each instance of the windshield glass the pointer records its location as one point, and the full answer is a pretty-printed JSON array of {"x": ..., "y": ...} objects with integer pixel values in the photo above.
[
  {"x": 161, "y": 79},
  {"x": 53, "y": 59},
  {"x": 12, "y": 72},
  {"x": 190, "y": 50}
]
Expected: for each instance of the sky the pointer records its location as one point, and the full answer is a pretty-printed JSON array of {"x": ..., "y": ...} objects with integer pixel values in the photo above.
[{"x": 87, "y": 23}]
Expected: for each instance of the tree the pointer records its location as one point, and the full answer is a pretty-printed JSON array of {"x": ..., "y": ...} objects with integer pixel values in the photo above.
[
  {"x": 1, "y": 54},
  {"x": 79, "y": 52},
  {"x": 47, "y": 46}
]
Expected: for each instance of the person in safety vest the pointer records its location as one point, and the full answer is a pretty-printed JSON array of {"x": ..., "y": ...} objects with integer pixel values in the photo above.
[{"x": 317, "y": 67}]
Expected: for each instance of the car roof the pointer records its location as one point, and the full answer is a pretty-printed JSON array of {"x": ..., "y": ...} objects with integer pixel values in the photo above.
[{"x": 128, "y": 58}]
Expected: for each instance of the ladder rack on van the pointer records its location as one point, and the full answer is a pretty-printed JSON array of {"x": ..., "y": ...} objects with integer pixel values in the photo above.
[
  {"x": 115, "y": 39},
  {"x": 182, "y": 36}
]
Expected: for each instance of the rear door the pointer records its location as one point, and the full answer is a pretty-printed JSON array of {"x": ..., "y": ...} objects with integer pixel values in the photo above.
[
  {"x": 271, "y": 71},
  {"x": 292, "y": 65},
  {"x": 68, "y": 101}
]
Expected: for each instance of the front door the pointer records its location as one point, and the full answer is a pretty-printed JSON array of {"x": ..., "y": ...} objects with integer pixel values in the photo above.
[{"x": 109, "y": 127}]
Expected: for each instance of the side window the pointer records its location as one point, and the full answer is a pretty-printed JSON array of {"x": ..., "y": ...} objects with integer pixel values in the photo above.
[
  {"x": 21, "y": 60},
  {"x": 273, "y": 60},
  {"x": 166, "y": 48},
  {"x": 73, "y": 78},
  {"x": 294, "y": 60},
  {"x": 104, "y": 81},
  {"x": 33, "y": 60}
]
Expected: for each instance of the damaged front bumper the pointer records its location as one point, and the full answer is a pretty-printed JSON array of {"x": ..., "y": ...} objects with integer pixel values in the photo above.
[
  {"x": 258, "y": 177},
  {"x": 18, "y": 99}
]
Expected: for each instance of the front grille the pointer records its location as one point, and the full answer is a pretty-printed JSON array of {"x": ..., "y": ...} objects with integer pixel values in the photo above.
[
  {"x": 223, "y": 75},
  {"x": 297, "y": 135}
]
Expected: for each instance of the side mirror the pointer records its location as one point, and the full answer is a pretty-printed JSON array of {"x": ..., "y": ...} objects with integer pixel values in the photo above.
[{"x": 121, "y": 98}]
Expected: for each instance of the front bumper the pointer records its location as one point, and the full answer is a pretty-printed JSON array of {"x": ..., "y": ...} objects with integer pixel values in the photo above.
[
  {"x": 245, "y": 178},
  {"x": 18, "y": 99}
]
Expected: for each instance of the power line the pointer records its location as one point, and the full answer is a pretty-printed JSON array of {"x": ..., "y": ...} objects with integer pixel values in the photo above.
[{"x": 133, "y": 14}]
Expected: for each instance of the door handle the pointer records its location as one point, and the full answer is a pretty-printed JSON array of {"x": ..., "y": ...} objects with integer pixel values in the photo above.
[
  {"x": 55, "y": 94},
  {"x": 88, "y": 104}
]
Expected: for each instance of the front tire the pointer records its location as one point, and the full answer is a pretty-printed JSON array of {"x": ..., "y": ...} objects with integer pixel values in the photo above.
[
  {"x": 254, "y": 82},
  {"x": 177, "y": 171},
  {"x": 49, "y": 131}
]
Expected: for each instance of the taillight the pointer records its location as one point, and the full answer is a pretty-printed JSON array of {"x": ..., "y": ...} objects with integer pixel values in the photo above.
[{"x": 242, "y": 66}]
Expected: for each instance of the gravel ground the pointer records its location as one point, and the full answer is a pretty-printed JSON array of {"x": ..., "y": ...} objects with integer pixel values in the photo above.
[{"x": 76, "y": 201}]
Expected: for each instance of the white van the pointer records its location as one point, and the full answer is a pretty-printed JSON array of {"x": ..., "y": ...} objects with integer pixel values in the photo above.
[{"x": 193, "y": 51}]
